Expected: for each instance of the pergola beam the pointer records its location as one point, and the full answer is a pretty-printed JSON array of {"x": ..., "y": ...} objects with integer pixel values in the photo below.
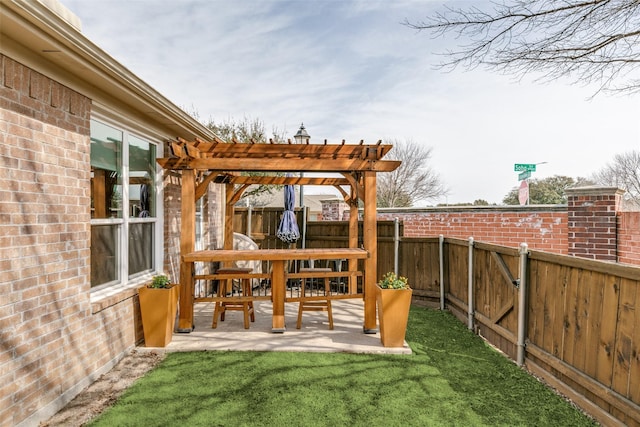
[
  {"x": 278, "y": 180},
  {"x": 279, "y": 165}
]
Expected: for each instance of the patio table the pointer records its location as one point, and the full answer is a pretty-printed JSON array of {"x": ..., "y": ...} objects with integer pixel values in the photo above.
[{"x": 278, "y": 259}]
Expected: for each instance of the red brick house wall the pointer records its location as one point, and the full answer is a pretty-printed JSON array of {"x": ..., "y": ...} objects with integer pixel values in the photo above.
[
  {"x": 54, "y": 341},
  {"x": 172, "y": 207},
  {"x": 57, "y": 334},
  {"x": 212, "y": 206}
]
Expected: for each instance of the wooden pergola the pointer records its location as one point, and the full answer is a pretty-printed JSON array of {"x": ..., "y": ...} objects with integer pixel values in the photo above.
[{"x": 204, "y": 162}]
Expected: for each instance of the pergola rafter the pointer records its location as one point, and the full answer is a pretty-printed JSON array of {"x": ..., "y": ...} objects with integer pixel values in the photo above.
[
  {"x": 205, "y": 162},
  {"x": 220, "y": 149}
]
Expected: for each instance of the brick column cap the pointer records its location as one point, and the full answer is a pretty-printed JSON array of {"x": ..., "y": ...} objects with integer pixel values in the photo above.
[{"x": 594, "y": 190}]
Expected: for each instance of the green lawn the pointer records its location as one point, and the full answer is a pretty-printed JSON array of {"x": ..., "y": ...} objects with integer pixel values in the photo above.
[{"x": 452, "y": 379}]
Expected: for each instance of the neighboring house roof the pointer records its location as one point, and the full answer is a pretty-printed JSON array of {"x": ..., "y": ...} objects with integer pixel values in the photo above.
[
  {"x": 47, "y": 37},
  {"x": 312, "y": 201}
]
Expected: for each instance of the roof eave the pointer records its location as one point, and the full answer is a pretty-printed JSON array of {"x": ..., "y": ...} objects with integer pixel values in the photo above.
[{"x": 55, "y": 36}]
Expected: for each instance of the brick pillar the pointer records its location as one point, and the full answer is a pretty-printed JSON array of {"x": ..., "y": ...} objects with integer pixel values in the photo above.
[
  {"x": 592, "y": 223},
  {"x": 333, "y": 209}
]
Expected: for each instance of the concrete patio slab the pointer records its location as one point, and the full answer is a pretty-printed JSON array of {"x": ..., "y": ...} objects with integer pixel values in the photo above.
[{"x": 314, "y": 335}]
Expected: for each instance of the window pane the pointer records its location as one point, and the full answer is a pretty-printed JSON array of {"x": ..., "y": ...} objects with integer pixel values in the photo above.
[
  {"x": 140, "y": 247},
  {"x": 106, "y": 171},
  {"x": 104, "y": 254},
  {"x": 142, "y": 169}
]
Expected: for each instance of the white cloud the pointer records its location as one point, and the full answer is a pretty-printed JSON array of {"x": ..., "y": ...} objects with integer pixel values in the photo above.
[{"x": 350, "y": 70}]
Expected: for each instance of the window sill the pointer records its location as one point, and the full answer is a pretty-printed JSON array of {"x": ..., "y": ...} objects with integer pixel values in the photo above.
[{"x": 108, "y": 297}]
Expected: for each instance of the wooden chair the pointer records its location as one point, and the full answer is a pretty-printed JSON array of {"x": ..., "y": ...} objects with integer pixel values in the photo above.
[
  {"x": 225, "y": 286},
  {"x": 314, "y": 305}
]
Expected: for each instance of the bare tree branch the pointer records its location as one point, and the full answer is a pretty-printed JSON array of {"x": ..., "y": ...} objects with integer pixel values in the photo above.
[
  {"x": 623, "y": 172},
  {"x": 589, "y": 41},
  {"x": 249, "y": 130},
  {"x": 413, "y": 181}
]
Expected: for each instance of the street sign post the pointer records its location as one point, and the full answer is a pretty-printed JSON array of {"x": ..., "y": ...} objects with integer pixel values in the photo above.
[
  {"x": 524, "y": 175},
  {"x": 522, "y": 167}
]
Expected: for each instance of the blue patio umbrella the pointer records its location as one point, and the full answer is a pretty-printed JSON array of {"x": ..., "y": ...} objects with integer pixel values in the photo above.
[{"x": 288, "y": 230}]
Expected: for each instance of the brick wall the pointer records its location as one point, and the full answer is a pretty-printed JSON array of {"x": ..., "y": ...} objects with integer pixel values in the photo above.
[
  {"x": 542, "y": 228},
  {"x": 629, "y": 237},
  {"x": 593, "y": 230},
  {"x": 333, "y": 210},
  {"x": 591, "y": 225},
  {"x": 53, "y": 341}
]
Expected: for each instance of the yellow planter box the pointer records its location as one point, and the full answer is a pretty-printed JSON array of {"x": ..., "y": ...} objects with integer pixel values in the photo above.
[
  {"x": 393, "y": 315},
  {"x": 158, "y": 308}
]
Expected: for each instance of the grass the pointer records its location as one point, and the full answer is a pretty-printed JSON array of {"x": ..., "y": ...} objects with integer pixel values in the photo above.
[{"x": 452, "y": 379}]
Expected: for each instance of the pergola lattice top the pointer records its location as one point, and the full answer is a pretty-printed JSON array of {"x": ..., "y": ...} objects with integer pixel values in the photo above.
[{"x": 252, "y": 157}]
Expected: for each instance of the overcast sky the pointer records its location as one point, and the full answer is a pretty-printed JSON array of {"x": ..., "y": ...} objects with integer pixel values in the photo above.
[{"x": 350, "y": 70}]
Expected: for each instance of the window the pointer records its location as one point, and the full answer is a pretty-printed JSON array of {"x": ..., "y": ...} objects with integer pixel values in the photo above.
[
  {"x": 123, "y": 206},
  {"x": 142, "y": 204}
]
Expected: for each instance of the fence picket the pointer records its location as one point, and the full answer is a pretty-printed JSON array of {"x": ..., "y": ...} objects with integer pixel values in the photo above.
[
  {"x": 594, "y": 322},
  {"x": 634, "y": 369}
]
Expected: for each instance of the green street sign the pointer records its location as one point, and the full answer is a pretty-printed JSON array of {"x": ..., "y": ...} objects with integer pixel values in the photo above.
[
  {"x": 524, "y": 175},
  {"x": 521, "y": 167}
]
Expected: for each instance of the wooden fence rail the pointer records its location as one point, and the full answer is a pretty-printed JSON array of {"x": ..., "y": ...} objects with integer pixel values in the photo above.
[{"x": 576, "y": 325}]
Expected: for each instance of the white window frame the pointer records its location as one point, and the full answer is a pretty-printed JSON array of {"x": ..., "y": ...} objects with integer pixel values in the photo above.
[{"x": 125, "y": 282}]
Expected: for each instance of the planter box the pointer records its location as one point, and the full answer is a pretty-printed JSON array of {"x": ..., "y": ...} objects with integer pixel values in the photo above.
[
  {"x": 393, "y": 315},
  {"x": 158, "y": 308}
]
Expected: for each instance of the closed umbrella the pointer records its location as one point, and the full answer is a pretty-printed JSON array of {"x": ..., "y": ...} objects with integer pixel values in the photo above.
[
  {"x": 144, "y": 201},
  {"x": 288, "y": 230}
]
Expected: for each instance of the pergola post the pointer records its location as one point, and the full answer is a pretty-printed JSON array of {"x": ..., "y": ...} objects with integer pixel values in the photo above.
[
  {"x": 228, "y": 216},
  {"x": 353, "y": 237},
  {"x": 370, "y": 238},
  {"x": 187, "y": 246}
]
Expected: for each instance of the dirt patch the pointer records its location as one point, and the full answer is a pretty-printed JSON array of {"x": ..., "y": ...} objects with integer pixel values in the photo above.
[{"x": 106, "y": 389}]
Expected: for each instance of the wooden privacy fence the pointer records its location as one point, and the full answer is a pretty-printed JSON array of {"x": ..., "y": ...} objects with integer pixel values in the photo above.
[
  {"x": 573, "y": 322},
  {"x": 316, "y": 234},
  {"x": 261, "y": 224}
]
